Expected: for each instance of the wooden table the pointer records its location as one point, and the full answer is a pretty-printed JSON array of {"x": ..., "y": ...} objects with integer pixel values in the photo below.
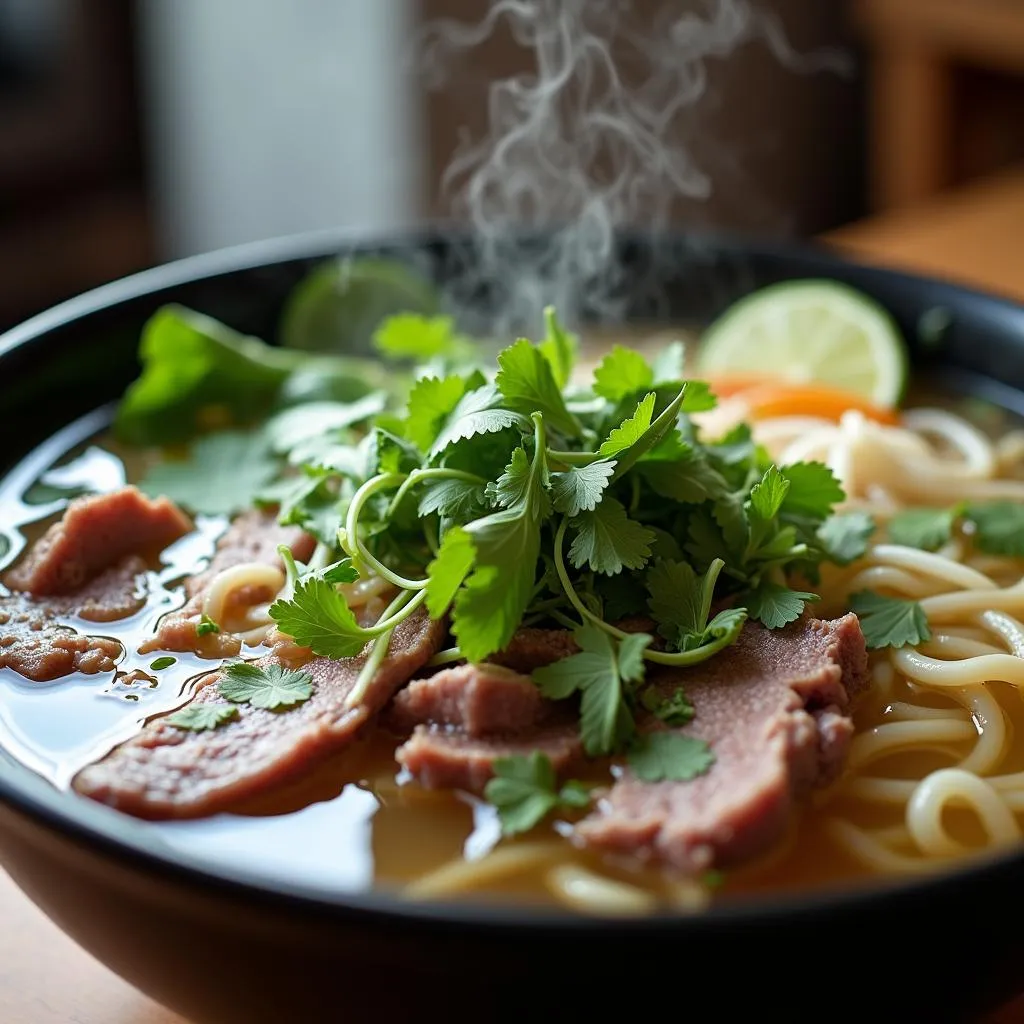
[{"x": 975, "y": 236}]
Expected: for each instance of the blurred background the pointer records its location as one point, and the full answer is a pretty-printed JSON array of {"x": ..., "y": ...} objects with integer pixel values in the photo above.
[{"x": 135, "y": 131}]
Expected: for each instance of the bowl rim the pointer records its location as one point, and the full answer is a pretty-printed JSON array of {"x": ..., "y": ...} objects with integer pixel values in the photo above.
[{"x": 111, "y": 833}]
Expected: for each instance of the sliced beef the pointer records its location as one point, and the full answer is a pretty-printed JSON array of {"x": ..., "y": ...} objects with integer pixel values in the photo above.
[
  {"x": 95, "y": 533},
  {"x": 252, "y": 537},
  {"x": 772, "y": 707},
  {"x": 464, "y": 718},
  {"x": 532, "y": 648},
  {"x": 166, "y": 772},
  {"x": 35, "y": 644}
]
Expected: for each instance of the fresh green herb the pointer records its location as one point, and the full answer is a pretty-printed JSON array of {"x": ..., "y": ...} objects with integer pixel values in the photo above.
[
  {"x": 159, "y": 664},
  {"x": 525, "y": 791},
  {"x": 775, "y": 605},
  {"x": 925, "y": 528},
  {"x": 223, "y": 474},
  {"x": 890, "y": 621},
  {"x": 673, "y": 710},
  {"x": 998, "y": 527},
  {"x": 199, "y": 374},
  {"x": 605, "y": 672},
  {"x": 414, "y": 336},
  {"x": 206, "y": 626},
  {"x": 844, "y": 538},
  {"x": 270, "y": 687},
  {"x": 493, "y": 500},
  {"x": 201, "y": 717},
  {"x": 669, "y": 756}
]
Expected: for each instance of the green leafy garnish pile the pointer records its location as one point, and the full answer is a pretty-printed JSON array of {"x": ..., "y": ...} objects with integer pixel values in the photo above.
[{"x": 508, "y": 495}]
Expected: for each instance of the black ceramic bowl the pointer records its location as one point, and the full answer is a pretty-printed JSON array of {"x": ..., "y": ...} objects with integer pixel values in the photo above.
[{"x": 221, "y": 948}]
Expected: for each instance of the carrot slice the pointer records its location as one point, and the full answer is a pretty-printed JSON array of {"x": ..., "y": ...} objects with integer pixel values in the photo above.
[{"x": 781, "y": 399}]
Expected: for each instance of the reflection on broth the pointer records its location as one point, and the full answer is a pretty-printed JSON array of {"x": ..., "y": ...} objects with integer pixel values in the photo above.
[{"x": 933, "y": 772}]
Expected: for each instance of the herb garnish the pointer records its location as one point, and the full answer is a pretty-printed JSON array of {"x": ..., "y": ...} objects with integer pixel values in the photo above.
[
  {"x": 265, "y": 686},
  {"x": 201, "y": 717},
  {"x": 500, "y": 497},
  {"x": 206, "y": 626},
  {"x": 161, "y": 663},
  {"x": 525, "y": 791},
  {"x": 890, "y": 621}
]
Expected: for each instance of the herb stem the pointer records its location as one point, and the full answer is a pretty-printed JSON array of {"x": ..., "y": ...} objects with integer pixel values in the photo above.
[
  {"x": 446, "y": 657},
  {"x": 400, "y": 608},
  {"x": 572, "y": 458},
  {"x": 679, "y": 658},
  {"x": 441, "y": 473},
  {"x": 354, "y": 546}
]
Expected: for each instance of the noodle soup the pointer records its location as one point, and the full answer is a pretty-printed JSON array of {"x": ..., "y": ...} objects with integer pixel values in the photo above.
[{"x": 929, "y": 774}]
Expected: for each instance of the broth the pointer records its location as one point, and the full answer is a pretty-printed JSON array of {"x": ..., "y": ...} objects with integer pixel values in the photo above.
[{"x": 355, "y": 822}]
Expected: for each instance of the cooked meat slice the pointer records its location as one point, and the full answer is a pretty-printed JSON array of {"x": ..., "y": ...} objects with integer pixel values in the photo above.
[
  {"x": 36, "y": 646},
  {"x": 479, "y": 699},
  {"x": 454, "y": 760},
  {"x": 166, "y": 772},
  {"x": 252, "y": 537},
  {"x": 464, "y": 718},
  {"x": 773, "y": 709},
  {"x": 531, "y": 648},
  {"x": 95, "y": 533}
]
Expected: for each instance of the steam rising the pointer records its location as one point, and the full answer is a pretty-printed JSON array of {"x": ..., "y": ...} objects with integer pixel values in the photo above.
[{"x": 594, "y": 138}]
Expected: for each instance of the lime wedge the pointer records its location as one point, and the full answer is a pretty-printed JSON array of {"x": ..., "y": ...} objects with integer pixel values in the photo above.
[
  {"x": 814, "y": 331},
  {"x": 340, "y": 304}
]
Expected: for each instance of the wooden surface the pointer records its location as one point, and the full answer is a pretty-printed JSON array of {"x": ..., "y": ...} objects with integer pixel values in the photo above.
[
  {"x": 915, "y": 47},
  {"x": 976, "y": 237}
]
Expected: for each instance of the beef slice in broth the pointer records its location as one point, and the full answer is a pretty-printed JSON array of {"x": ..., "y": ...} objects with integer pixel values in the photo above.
[
  {"x": 463, "y": 719},
  {"x": 168, "y": 772},
  {"x": 90, "y": 565},
  {"x": 773, "y": 708}
]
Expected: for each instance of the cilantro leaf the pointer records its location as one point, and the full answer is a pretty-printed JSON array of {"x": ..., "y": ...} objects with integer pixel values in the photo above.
[
  {"x": 448, "y": 570},
  {"x": 431, "y": 401},
  {"x": 478, "y": 412},
  {"x": 601, "y": 671},
  {"x": 678, "y": 600},
  {"x": 317, "y": 617},
  {"x": 669, "y": 757},
  {"x": 622, "y": 373},
  {"x": 580, "y": 488},
  {"x": 844, "y": 538},
  {"x": 607, "y": 540},
  {"x": 525, "y": 379},
  {"x": 453, "y": 498},
  {"x": 890, "y": 621},
  {"x": 200, "y": 717},
  {"x": 206, "y": 626},
  {"x": 558, "y": 348},
  {"x": 699, "y": 397},
  {"x": 998, "y": 527},
  {"x": 674, "y": 710},
  {"x": 413, "y": 336},
  {"x": 524, "y": 791},
  {"x": 302, "y": 423},
  {"x": 513, "y": 486},
  {"x": 775, "y": 605},
  {"x": 270, "y": 687},
  {"x": 813, "y": 490},
  {"x": 925, "y": 528},
  {"x": 491, "y": 602},
  {"x": 677, "y": 470},
  {"x": 630, "y": 430},
  {"x": 767, "y": 496},
  {"x": 223, "y": 474},
  {"x": 159, "y": 664}
]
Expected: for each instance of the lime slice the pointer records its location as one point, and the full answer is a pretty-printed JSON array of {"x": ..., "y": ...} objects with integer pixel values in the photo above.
[
  {"x": 340, "y": 304},
  {"x": 810, "y": 331}
]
